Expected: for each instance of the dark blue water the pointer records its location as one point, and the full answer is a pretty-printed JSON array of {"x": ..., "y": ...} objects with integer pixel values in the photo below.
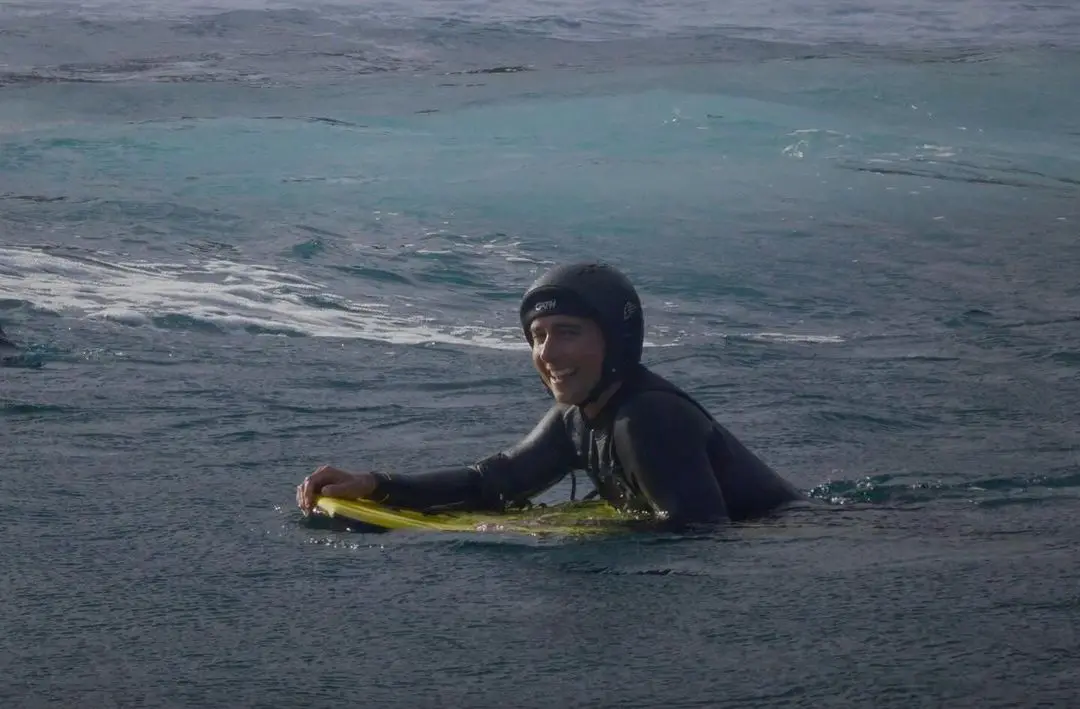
[{"x": 240, "y": 241}]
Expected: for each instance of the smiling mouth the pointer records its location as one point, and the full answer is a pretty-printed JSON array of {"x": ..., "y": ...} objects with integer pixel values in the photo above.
[{"x": 561, "y": 375}]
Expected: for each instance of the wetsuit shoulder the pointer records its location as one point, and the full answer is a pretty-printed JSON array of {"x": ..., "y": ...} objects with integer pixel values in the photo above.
[
  {"x": 749, "y": 486},
  {"x": 662, "y": 441}
]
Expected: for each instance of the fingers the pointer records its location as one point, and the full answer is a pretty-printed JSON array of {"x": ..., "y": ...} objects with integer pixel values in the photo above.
[
  {"x": 313, "y": 485},
  {"x": 302, "y": 498},
  {"x": 335, "y": 490},
  {"x": 357, "y": 487}
]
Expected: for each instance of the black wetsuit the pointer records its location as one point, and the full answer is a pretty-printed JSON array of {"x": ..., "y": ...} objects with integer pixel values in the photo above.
[{"x": 651, "y": 449}]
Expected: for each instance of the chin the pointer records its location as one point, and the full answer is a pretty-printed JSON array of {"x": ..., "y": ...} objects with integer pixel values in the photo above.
[{"x": 567, "y": 397}]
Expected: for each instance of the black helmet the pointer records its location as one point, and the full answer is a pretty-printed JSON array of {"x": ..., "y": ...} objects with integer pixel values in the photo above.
[{"x": 599, "y": 292}]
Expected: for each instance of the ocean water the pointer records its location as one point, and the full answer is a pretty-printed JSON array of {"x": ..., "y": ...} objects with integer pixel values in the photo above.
[{"x": 241, "y": 239}]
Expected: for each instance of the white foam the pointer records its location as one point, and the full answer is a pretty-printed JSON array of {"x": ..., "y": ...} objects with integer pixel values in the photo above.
[
  {"x": 789, "y": 337},
  {"x": 225, "y": 293},
  {"x": 938, "y": 151}
]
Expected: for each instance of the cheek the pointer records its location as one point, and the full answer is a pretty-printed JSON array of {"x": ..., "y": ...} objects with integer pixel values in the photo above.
[{"x": 593, "y": 355}]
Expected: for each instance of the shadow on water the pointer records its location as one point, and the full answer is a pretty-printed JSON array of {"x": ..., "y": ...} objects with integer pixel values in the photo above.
[
  {"x": 22, "y": 361},
  {"x": 14, "y": 356},
  {"x": 618, "y": 550}
]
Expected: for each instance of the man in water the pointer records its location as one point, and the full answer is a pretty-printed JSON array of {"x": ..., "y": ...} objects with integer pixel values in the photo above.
[{"x": 647, "y": 445}]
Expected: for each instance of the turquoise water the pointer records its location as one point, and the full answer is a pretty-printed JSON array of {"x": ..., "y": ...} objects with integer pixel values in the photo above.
[{"x": 241, "y": 241}]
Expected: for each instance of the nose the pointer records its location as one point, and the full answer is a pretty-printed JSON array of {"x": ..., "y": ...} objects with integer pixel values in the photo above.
[{"x": 546, "y": 351}]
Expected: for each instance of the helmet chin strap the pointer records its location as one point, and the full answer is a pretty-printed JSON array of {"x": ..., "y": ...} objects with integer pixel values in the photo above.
[
  {"x": 609, "y": 377},
  {"x": 613, "y": 371}
]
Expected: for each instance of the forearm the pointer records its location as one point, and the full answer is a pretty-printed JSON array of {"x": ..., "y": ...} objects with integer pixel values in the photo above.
[
  {"x": 498, "y": 481},
  {"x": 445, "y": 488}
]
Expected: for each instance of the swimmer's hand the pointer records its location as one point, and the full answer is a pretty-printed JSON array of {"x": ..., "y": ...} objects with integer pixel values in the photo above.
[{"x": 329, "y": 481}]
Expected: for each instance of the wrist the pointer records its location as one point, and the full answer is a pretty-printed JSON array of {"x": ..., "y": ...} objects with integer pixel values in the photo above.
[{"x": 375, "y": 483}]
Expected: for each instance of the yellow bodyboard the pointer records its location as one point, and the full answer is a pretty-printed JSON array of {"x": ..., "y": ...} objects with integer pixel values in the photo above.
[{"x": 570, "y": 518}]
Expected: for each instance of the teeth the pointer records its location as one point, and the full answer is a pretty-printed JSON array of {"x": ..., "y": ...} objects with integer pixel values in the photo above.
[{"x": 562, "y": 374}]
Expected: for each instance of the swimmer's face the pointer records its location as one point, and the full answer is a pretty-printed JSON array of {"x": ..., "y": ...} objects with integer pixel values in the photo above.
[{"x": 568, "y": 352}]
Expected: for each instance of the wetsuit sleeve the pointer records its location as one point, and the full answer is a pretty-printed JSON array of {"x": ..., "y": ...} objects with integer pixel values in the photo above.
[
  {"x": 662, "y": 442},
  {"x": 511, "y": 477}
]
